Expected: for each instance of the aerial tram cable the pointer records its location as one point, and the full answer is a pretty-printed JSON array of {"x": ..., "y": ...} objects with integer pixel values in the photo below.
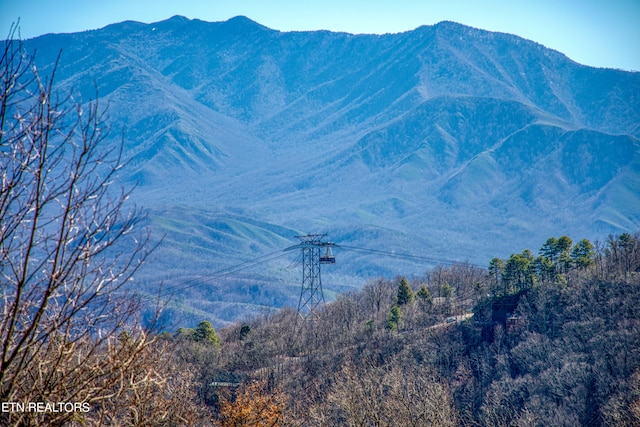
[
  {"x": 196, "y": 281},
  {"x": 230, "y": 270},
  {"x": 409, "y": 257},
  {"x": 326, "y": 258}
]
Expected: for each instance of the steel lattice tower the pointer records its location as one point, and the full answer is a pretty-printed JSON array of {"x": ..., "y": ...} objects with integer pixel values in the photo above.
[{"x": 311, "y": 295}]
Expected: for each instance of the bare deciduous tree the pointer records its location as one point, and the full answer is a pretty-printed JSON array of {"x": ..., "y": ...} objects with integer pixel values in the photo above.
[
  {"x": 388, "y": 395},
  {"x": 68, "y": 248}
]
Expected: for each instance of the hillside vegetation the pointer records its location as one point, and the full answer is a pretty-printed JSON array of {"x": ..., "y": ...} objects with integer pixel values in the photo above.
[{"x": 547, "y": 339}]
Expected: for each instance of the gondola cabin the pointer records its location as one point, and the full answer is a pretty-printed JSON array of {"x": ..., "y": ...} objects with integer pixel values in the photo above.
[{"x": 328, "y": 257}]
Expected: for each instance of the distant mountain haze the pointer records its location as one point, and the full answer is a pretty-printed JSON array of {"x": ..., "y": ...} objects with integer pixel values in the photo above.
[{"x": 443, "y": 143}]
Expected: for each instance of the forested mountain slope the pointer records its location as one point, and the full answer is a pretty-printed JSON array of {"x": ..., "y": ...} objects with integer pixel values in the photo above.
[
  {"x": 548, "y": 339},
  {"x": 446, "y": 142}
]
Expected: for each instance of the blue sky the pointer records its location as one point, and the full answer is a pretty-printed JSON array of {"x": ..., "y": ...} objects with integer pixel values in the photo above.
[{"x": 602, "y": 33}]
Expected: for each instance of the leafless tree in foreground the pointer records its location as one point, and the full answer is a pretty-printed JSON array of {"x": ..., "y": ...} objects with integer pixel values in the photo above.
[{"x": 68, "y": 247}]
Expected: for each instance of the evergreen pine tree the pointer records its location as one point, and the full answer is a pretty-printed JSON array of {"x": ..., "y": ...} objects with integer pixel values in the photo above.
[
  {"x": 394, "y": 317},
  {"x": 205, "y": 333},
  {"x": 405, "y": 293},
  {"x": 583, "y": 254},
  {"x": 425, "y": 295}
]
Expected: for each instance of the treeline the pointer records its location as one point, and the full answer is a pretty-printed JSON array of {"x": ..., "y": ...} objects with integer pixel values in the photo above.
[
  {"x": 559, "y": 257},
  {"x": 551, "y": 341}
]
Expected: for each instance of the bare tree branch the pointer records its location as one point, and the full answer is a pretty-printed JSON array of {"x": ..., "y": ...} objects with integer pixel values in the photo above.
[{"x": 69, "y": 247}]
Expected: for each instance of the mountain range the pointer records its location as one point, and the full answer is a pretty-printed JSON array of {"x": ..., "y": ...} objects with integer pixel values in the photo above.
[{"x": 445, "y": 143}]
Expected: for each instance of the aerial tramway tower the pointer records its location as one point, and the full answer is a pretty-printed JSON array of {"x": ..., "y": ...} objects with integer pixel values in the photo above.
[{"x": 315, "y": 251}]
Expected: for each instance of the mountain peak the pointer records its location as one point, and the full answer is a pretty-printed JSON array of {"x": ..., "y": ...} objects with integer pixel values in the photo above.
[
  {"x": 178, "y": 18},
  {"x": 242, "y": 22}
]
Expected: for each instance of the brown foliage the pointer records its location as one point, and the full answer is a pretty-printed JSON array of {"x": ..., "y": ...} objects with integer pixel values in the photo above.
[{"x": 253, "y": 404}]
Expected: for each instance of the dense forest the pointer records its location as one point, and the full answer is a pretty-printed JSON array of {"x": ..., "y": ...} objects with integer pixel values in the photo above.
[
  {"x": 546, "y": 339},
  {"x": 551, "y": 339}
]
